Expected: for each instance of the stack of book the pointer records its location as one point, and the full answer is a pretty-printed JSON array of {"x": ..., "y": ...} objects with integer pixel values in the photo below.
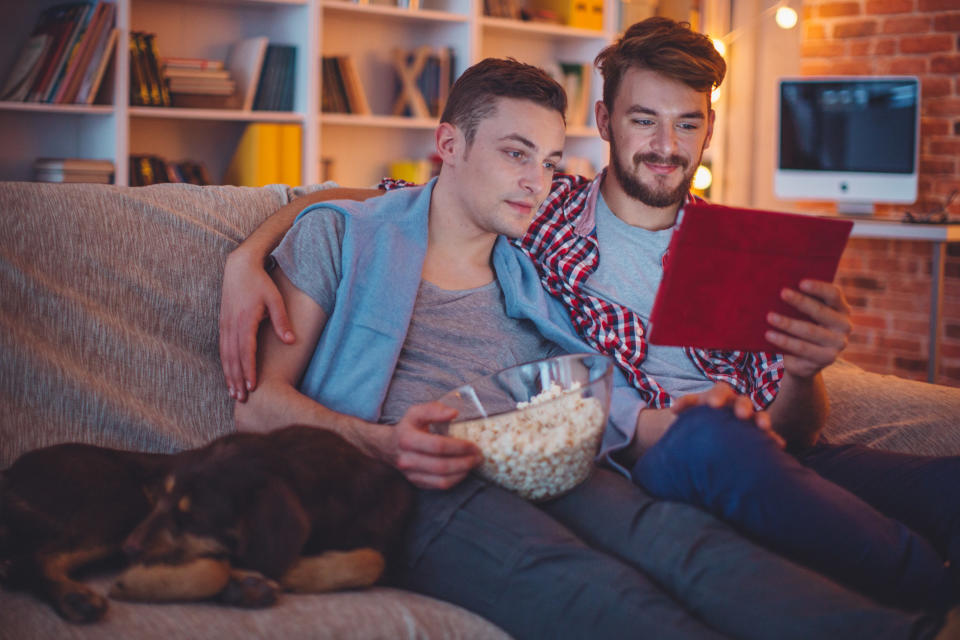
[
  {"x": 342, "y": 90},
  {"x": 73, "y": 170},
  {"x": 197, "y": 77},
  {"x": 147, "y": 169},
  {"x": 65, "y": 58}
]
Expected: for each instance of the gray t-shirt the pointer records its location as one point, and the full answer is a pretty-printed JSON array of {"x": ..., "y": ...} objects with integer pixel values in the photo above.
[
  {"x": 453, "y": 337},
  {"x": 629, "y": 273}
]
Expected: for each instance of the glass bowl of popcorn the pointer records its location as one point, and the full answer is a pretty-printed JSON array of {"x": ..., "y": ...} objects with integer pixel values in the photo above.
[{"x": 538, "y": 424}]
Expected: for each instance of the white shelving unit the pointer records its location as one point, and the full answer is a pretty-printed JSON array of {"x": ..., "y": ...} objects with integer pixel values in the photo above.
[{"x": 360, "y": 147}]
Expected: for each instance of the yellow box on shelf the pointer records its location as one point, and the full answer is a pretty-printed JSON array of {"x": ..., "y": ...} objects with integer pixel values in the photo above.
[{"x": 583, "y": 14}]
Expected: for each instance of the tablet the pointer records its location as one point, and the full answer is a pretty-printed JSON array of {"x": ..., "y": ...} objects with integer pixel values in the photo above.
[{"x": 724, "y": 270}]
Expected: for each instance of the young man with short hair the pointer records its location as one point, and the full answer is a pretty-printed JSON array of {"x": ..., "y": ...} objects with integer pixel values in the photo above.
[{"x": 378, "y": 293}]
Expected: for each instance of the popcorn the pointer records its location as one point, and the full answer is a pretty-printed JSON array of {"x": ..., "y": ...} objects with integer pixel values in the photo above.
[{"x": 544, "y": 448}]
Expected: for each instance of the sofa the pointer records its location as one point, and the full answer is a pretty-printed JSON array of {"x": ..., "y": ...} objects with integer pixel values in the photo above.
[{"x": 109, "y": 301}]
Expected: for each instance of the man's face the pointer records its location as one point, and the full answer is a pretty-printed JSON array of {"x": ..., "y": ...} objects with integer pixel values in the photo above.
[
  {"x": 504, "y": 175},
  {"x": 657, "y": 130}
]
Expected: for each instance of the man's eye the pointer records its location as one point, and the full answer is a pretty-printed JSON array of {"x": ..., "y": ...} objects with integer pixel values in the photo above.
[
  {"x": 643, "y": 122},
  {"x": 689, "y": 126},
  {"x": 516, "y": 155},
  {"x": 550, "y": 165}
]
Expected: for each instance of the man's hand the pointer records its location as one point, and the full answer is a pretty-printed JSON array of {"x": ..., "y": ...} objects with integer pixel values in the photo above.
[
  {"x": 249, "y": 295},
  {"x": 810, "y": 345},
  {"x": 653, "y": 423},
  {"x": 429, "y": 460},
  {"x": 722, "y": 395}
]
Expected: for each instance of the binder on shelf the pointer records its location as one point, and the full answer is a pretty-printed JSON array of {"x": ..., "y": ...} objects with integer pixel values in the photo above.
[
  {"x": 268, "y": 153},
  {"x": 276, "y": 84},
  {"x": 245, "y": 63}
]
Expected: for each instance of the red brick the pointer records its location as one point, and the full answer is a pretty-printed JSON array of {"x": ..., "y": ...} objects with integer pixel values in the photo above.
[
  {"x": 945, "y": 147},
  {"x": 907, "y": 325},
  {"x": 889, "y": 6},
  {"x": 814, "y": 31},
  {"x": 858, "y": 29},
  {"x": 910, "y": 66},
  {"x": 938, "y": 5},
  {"x": 947, "y": 22},
  {"x": 949, "y": 107},
  {"x": 934, "y": 126},
  {"x": 885, "y": 47},
  {"x": 945, "y": 64},
  {"x": 824, "y": 49},
  {"x": 868, "y": 320},
  {"x": 910, "y": 24},
  {"x": 908, "y": 345},
  {"x": 910, "y": 364},
  {"x": 937, "y": 166},
  {"x": 926, "y": 44},
  {"x": 869, "y": 360},
  {"x": 936, "y": 87},
  {"x": 836, "y": 9}
]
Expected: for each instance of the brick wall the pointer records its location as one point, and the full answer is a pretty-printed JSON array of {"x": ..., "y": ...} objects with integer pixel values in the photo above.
[{"x": 888, "y": 282}]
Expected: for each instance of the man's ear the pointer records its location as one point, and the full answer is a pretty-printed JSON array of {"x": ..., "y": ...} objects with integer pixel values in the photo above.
[
  {"x": 449, "y": 142},
  {"x": 602, "y": 116}
]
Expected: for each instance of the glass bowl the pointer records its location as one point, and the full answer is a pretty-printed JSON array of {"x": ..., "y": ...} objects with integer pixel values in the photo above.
[{"x": 538, "y": 424}]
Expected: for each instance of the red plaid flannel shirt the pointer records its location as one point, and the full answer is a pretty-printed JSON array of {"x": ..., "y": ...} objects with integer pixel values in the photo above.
[{"x": 562, "y": 242}]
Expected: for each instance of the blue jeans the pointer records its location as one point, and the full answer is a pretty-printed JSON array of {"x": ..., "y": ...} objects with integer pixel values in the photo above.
[
  {"x": 608, "y": 561},
  {"x": 881, "y": 522}
]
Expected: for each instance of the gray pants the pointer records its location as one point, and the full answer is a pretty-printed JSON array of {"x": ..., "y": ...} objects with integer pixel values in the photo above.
[{"x": 608, "y": 561}]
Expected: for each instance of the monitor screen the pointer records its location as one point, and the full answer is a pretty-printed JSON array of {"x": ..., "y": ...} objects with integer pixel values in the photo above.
[{"x": 849, "y": 139}]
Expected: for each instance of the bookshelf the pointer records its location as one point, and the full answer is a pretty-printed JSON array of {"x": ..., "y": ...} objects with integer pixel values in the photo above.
[{"x": 356, "y": 148}]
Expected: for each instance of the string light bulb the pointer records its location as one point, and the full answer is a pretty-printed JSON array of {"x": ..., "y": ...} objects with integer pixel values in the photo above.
[
  {"x": 786, "y": 17},
  {"x": 702, "y": 179}
]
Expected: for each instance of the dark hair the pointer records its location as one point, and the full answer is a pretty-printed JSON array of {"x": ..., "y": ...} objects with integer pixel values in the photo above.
[
  {"x": 666, "y": 46},
  {"x": 473, "y": 96}
]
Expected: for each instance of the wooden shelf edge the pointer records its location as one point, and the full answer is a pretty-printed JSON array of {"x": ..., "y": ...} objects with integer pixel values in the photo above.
[
  {"x": 236, "y": 115},
  {"x": 425, "y": 15},
  {"x": 43, "y": 107}
]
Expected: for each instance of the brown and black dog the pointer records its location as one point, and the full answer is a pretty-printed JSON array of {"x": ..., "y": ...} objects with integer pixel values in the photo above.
[{"x": 299, "y": 509}]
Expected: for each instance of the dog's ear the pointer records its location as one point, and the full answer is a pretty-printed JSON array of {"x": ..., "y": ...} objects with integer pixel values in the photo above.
[{"x": 273, "y": 530}]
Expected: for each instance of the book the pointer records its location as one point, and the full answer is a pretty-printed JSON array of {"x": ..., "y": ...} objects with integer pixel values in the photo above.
[
  {"x": 199, "y": 64},
  {"x": 25, "y": 69},
  {"x": 139, "y": 84},
  {"x": 256, "y": 161},
  {"x": 724, "y": 270},
  {"x": 59, "y": 22},
  {"x": 158, "y": 86},
  {"x": 290, "y": 155},
  {"x": 91, "y": 83},
  {"x": 73, "y": 52},
  {"x": 100, "y": 22},
  {"x": 576, "y": 80},
  {"x": 356, "y": 96},
  {"x": 245, "y": 63}
]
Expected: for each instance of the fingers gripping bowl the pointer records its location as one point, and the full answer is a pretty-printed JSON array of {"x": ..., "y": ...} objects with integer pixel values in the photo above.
[{"x": 538, "y": 425}]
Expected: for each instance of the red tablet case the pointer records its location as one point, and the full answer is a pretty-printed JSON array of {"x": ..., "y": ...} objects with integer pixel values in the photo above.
[{"x": 725, "y": 268}]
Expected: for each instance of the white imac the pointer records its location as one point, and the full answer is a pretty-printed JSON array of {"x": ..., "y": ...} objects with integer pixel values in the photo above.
[{"x": 850, "y": 139}]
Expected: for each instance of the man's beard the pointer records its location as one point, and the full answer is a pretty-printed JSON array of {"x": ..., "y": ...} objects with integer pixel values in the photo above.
[{"x": 651, "y": 195}]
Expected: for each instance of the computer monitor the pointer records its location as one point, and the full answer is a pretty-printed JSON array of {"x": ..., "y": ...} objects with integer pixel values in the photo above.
[{"x": 853, "y": 140}]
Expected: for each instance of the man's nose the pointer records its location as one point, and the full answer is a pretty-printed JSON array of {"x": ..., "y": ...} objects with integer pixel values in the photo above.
[
  {"x": 534, "y": 180},
  {"x": 665, "y": 141}
]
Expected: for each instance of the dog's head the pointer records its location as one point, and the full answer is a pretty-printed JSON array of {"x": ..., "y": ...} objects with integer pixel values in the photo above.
[{"x": 222, "y": 501}]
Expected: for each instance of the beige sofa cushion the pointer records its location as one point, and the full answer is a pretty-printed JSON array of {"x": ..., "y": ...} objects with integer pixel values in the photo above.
[{"x": 109, "y": 301}]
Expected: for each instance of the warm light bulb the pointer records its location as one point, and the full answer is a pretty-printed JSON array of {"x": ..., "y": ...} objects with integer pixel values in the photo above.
[
  {"x": 786, "y": 17},
  {"x": 715, "y": 96},
  {"x": 719, "y": 46},
  {"x": 702, "y": 179}
]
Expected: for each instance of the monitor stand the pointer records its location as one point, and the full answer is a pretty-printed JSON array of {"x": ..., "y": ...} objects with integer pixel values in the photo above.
[{"x": 855, "y": 208}]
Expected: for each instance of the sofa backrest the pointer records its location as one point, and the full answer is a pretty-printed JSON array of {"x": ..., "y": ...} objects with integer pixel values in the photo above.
[{"x": 109, "y": 303}]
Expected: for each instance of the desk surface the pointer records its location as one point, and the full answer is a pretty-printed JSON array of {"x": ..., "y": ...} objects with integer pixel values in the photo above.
[{"x": 894, "y": 229}]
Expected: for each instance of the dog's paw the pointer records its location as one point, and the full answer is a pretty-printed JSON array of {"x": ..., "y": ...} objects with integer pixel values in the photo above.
[
  {"x": 196, "y": 580},
  {"x": 335, "y": 571},
  {"x": 81, "y": 605},
  {"x": 249, "y": 590}
]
